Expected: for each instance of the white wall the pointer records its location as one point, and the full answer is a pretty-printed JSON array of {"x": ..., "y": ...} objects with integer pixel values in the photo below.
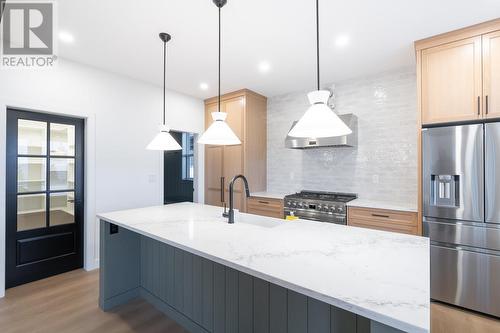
[
  {"x": 384, "y": 165},
  {"x": 122, "y": 116}
]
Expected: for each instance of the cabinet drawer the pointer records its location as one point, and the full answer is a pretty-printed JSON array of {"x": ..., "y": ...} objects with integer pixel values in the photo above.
[
  {"x": 383, "y": 219},
  {"x": 265, "y": 207}
]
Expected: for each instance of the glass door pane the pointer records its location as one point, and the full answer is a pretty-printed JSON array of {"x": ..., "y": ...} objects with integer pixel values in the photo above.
[
  {"x": 62, "y": 140},
  {"x": 31, "y": 137},
  {"x": 62, "y": 174},
  {"x": 62, "y": 208},
  {"x": 31, "y": 211},
  {"x": 31, "y": 174}
]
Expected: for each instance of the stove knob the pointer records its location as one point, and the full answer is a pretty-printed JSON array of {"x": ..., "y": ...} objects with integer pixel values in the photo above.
[
  {"x": 340, "y": 209},
  {"x": 318, "y": 207},
  {"x": 288, "y": 203}
]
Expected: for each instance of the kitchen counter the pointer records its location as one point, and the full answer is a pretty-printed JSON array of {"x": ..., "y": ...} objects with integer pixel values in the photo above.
[
  {"x": 270, "y": 195},
  {"x": 407, "y": 207},
  {"x": 379, "y": 275}
]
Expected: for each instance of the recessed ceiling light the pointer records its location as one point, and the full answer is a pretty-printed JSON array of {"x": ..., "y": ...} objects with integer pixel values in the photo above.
[
  {"x": 264, "y": 67},
  {"x": 204, "y": 86},
  {"x": 342, "y": 40},
  {"x": 66, "y": 37}
]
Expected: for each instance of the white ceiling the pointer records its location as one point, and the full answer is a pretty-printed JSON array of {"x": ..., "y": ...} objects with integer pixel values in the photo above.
[{"x": 122, "y": 36}]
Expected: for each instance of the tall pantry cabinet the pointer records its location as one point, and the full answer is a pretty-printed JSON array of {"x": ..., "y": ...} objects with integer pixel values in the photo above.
[{"x": 246, "y": 115}]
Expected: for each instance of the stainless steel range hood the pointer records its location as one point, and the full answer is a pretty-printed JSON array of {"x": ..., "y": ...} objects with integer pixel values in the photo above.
[{"x": 350, "y": 140}]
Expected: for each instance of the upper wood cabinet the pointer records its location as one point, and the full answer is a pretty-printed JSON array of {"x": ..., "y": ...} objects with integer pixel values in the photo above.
[
  {"x": 247, "y": 113},
  {"x": 491, "y": 74},
  {"x": 451, "y": 81},
  {"x": 458, "y": 74}
]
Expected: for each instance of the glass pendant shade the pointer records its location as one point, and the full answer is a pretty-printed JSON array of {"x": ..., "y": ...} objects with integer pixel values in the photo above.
[
  {"x": 164, "y": 141},
  {"x": 219, "y": 133},
  {"x": 319, "y": 121}
]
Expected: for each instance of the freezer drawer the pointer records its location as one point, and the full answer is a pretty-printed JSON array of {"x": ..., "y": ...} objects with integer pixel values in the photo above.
[
  {"x": 458, "y": 233},
  {"x": 453, "y": 186},
  {"x": 467, "y": 279},
  {"x": 492, "y": 172}
]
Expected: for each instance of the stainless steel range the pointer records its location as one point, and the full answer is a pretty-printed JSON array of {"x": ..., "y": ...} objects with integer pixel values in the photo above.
[{"x": 319, "y": 206}]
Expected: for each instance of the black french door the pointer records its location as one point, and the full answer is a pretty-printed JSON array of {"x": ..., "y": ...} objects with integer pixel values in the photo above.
[{"x": 44, "y": 195}]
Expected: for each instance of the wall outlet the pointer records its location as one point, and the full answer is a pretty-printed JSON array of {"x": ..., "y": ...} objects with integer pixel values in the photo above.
[{"x": 152, "y": 179}]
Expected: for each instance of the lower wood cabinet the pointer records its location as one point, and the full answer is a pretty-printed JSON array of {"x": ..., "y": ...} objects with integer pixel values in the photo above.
[
  {"x": 383, "y": 219},
  {"x": 265, "y": 206}
]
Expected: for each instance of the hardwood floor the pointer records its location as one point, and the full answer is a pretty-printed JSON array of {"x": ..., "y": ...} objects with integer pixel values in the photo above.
[
  {"x": 448, "y": 319},
  {"x": 68, "y": 303}
]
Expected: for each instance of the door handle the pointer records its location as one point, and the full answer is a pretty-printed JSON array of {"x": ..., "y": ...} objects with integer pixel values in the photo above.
[
  {"x": 478, "y": 105},
  {"x": 486, "y": 106},
  {"x": 222, "y": 189},
  {"x": 380, "y": 215}
]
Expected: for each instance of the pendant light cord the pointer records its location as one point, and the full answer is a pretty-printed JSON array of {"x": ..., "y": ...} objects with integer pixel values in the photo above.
[
  {"x": 218, "y": 107},
  {"x": 317, "y": 42},
  {"x": 164, "y": 78}
]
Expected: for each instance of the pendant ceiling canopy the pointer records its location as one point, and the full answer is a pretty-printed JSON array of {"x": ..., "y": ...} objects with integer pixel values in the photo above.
[
  {"x": 164, "y": 140},
  {"x": 219, "y": 133},
  {"x": 319, "y": 120}
]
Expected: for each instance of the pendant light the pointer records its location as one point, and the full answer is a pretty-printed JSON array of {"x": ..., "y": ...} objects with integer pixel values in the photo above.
[
  {"x": 219, "y": 133},
  {"x": 319, "y": 120},
  {"x": 164, "y": 140}
]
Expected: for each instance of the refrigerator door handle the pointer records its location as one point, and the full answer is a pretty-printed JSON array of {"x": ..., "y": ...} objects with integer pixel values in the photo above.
[{"x": 492, "y": 172}]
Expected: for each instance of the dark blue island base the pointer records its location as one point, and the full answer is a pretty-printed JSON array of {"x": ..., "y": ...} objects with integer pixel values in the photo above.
[{"x": 204, "y": 296}]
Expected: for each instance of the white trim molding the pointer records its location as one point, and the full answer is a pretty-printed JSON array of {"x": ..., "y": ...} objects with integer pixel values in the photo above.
[{"x": 91, "y": 230}]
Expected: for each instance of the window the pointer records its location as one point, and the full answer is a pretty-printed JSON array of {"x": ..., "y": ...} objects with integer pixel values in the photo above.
[{"x": 187, "y": 156}]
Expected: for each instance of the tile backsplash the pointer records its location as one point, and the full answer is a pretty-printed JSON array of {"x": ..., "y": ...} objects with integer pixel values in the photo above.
[{"x": 384, "y": 165}]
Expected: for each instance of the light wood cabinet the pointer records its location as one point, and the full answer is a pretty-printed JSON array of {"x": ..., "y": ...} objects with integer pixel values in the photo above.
[
  {"x": 491, "y": 74},
  {"x": 458, "y": 75},
  {"x": 247, "y": 112},
  {"x": 383, "y": 219},
  {"x": 451, "y": 82},
  {"x": 265, "y": 207}
]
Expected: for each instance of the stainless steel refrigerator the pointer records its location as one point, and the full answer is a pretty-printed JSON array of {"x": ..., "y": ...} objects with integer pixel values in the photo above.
[{"x": 461, "y": 209}]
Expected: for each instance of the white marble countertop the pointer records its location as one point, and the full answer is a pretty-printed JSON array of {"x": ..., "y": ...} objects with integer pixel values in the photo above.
[
  {"x": 383, "y": 276},
  {"x": 271, "y": 195},
  {"x": 401, "y": 206}
]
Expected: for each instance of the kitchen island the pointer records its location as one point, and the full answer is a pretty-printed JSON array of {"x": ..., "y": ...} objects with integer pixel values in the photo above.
[{"x": 263, "y": 274}]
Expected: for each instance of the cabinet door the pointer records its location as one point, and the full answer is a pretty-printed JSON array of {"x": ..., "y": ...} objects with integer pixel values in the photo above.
[
  {"x": 233, "y": 165},
  {"x": 235, "y": 109},
  {"x": 491, "y": 74},
  {"x": 452, "y": 82},
  {"x": 213, "y": 166},
  {"x": 213, "y": 175}
]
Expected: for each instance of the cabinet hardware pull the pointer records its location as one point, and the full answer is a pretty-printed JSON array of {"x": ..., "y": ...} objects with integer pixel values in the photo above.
[
  {"x": 264, "y": 202},
  {"x": 221, "y": 189},
  {"x": 478, "y": 105},
  {"x": 380, "y": 215},
  {"x": 487, "y": 106}
]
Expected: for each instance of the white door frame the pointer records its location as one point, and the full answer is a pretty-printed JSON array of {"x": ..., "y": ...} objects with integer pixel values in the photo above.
[{"x": 90, "y": 228}]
